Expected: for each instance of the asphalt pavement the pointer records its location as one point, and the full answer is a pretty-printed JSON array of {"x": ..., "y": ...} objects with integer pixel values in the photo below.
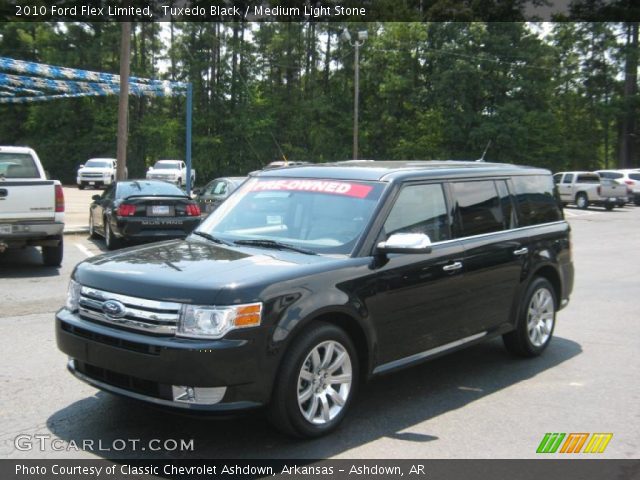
[{"x": 477, "y": 403}]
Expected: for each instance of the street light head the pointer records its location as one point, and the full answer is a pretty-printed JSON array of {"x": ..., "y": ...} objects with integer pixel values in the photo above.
[
  {"x": 346, "y": 35},
  {"x": 363, "y": 35}
]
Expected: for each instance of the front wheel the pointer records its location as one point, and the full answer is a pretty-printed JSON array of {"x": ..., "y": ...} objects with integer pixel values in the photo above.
[
  {"x": 608, "y": 206},
  {"x": 80, "y": 186},
  {"x": 316, "y": 383},
  {"x": 536, "y": 320}
]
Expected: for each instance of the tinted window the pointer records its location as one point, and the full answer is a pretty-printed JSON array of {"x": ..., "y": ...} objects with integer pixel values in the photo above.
[
  {"x": 18, "y": 165},
  {"x": 217, "y": 188},
  {"x": 634, "y": 176},
  {"x": 611, "y": 174},
  {"x": 477, "y": 207},
  {"x": 420, "y": 209},
  {"x": 506, "y": 201},
  {"x": 142, "y": 187},
  {"x": 98, "y": 164},
  {"x": 588, "y": 178},
  {"x": 568, "y": 178},
  {"x": 557, "y": 177},
  {"x": 166, "y": 165},
  {"x": 536, "y": 199}
]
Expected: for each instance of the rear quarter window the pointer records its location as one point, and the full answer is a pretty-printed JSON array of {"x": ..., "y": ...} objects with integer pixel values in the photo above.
[{"x": 537, "y": 200}]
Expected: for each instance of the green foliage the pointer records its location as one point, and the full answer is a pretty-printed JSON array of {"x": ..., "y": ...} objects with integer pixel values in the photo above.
[{"x": 264, "y": 91}]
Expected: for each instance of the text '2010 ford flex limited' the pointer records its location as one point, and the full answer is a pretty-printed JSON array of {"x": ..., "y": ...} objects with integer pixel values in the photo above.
[{"x": 310, "y": 279}]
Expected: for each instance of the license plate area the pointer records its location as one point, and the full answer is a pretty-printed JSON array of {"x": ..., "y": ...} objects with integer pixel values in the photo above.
[
  {"x": 160, "y": 211},
  {"x": 6, "y": 229}
]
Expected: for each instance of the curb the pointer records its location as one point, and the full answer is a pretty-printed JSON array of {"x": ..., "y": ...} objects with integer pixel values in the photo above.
[{"x": 75, "y": 230}]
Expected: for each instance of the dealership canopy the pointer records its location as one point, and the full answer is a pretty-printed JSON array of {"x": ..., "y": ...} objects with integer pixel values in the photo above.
[{"x": 27, "y": 82}]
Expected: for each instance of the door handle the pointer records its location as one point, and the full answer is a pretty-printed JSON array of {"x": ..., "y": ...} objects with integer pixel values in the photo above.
[
  {"x": 452, "y": 267},
  {"x": 522, "y": 251}
]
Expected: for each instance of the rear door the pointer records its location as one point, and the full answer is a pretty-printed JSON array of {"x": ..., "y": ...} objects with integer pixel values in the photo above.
[{"x": 495, "y": 253}]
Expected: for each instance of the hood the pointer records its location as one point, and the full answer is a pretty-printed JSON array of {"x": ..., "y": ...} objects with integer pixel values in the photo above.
[{"x": 192, "y": 271}]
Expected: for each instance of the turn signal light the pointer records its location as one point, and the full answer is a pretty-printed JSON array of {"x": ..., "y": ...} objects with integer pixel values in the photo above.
[{"x": 248, "y": 315}]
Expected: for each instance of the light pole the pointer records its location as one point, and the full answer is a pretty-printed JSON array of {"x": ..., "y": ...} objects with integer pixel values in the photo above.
[{"x": 362, "y": 36}]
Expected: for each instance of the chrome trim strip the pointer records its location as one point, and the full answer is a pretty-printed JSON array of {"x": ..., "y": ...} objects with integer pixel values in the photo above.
[
  {"x": 170, "y": 318},
  {"x": 501, "y": 232},
  {"x": 128, "y": 323},
  {"x": 130, "y": 301},
  {"x": 427, "y": 353}
]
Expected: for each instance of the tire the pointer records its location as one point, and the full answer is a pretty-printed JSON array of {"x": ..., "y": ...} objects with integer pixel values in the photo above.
[
  {"x": 52, "y": 256},
  {"x": 536, "y": 320},
  {"x": 608, "y": 206},
  {"x": 304, "y": 382},
  {"x": 110, "y": 239},
  {"x": 582, "y": 201},
  {"x": 80, "y": 187},
  {"x": 92, "y": 227}
]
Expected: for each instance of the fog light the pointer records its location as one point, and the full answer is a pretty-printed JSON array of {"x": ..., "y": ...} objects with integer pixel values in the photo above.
[{"x": 198, "y": 395}]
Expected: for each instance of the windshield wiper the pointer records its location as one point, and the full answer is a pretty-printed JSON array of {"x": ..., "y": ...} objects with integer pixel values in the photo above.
[
  {"x": 211, "y": 237},
  {"x": 274, "y": 244}
]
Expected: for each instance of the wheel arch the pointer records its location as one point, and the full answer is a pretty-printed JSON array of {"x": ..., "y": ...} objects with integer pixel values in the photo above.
[{"x": 551, "y": 274}]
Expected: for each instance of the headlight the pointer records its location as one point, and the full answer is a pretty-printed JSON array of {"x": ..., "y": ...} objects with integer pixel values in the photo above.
[
  {"x": 205, "y": 321},
  {"x": 73, "y": 296}
]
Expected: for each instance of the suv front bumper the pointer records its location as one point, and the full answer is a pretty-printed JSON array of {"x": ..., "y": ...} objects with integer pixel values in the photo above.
[{"x": 154, "y": 368}]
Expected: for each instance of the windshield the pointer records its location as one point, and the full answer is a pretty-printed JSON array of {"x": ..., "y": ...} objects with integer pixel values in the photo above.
[
  {"x": 324, "y": 216},
  {"x": 98, "y": 164},
  {"x": 166, "y": 165},
  {"x": 141, "y": 187}
]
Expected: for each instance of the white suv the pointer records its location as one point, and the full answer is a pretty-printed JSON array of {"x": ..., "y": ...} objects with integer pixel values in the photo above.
[
  {"x": 97, "y": 172},
  {"x": 628, "y": 177}
]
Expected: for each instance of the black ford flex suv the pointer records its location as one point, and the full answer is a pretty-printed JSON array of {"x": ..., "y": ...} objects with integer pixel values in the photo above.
[{"x": 311, "y": 279}]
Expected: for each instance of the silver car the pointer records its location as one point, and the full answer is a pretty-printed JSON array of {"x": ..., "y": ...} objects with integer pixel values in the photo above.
[{"x": 215, "y": 192}]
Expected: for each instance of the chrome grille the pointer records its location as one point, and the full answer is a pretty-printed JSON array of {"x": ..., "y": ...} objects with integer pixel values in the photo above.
[
  {"x": 92, "y": 175},
  {"x": 150, "y": 316}
]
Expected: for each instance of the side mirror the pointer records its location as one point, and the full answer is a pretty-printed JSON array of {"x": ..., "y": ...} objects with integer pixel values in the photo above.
[
  {"x": 81, "y": 165},
  {"x": 405, "y": 243},
  {"x": 149, "y": 169},
  {"x": 96, "y": 198},
  {"x": 196, "y": 191}
]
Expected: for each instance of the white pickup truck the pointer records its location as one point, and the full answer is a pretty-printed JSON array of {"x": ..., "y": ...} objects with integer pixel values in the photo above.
[
  {"x": 174, "y": 171},
  {"x": 31, "y": 206},
  {"x": 587, "y": 188},
  {"x": 97, "y": 172}
]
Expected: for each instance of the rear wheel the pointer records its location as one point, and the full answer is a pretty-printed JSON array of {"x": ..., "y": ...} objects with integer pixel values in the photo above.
[
  {"x": 582, "y": 201},
  {"x": 52, "y": 256},
  {"x": 536, "y": 320},
  {"x": 92, "y": 227},
  {"x": 109, "y": 238},
  {"x": 316, "y": 383}
]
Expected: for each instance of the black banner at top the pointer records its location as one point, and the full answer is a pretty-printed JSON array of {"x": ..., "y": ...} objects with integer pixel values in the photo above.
[{"x": 318, "y": 10}]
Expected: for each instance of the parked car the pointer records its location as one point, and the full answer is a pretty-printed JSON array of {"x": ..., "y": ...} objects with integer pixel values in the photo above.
[
  {"x": 31, "y": 205},
  {"x": 628, "y": 177},
  {"x": 142, "y": 210},
  {"x": 310, "y": 279},
  {"x": 587, "y": 188},
  {"x": 97, "y": 172},
  {"x": 215, "y": 192},
  {"x": 174, "y": 171}
]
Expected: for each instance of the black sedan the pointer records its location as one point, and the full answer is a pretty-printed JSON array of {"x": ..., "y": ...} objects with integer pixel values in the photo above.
[
  {"x": 215, "y": 192},
  {"x": 142, "y": 210}
]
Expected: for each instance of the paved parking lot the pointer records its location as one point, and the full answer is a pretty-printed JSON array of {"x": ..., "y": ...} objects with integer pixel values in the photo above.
[{"x": 478, "y": 403}]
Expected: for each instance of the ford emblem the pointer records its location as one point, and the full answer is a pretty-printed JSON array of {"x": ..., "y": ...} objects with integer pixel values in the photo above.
[{"x": 114, "y": 309}]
